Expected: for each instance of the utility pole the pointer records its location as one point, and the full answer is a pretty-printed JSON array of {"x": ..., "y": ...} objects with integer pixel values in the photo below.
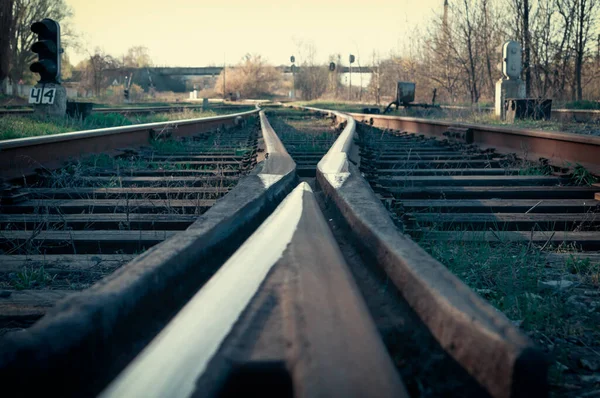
[
  {"x": 598, "y": 68},
  {"x": 338, "y": 80},
  {"x": 224, "y": 76},
  {"x": 378, "y": 94},
  {"x": 292, "y": 60},
  {"x": 527, "y": 42},
  {"x": 350, "y": 86}
]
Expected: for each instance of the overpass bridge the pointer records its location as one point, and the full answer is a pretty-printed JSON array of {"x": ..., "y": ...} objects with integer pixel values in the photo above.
[{"x": 216, "y": 70}]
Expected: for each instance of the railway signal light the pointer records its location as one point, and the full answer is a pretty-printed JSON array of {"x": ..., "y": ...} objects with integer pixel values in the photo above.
[
  {"x": 292, "y": 59},
  {"x": 332, "y": 66},
  {"x": 48, "y": 49},
  {"x": 126, "y": 94},
  {"x": 351, "y": 58}
]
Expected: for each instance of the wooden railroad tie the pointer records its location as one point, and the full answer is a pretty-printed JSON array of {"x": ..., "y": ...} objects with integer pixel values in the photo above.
[{"x": 461, "y": 134}]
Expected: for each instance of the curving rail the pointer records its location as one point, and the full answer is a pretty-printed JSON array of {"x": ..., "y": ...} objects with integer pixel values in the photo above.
[
  {"x": 323, "y": 343},
  {"x": 482, "y": 340},
  {"x": 282, "y": 309},
  {"x": 98, "y": 322}
]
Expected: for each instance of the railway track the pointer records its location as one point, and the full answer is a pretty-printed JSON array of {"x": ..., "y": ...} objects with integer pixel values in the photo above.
[
  {"x": 70, "y": 227},
  {"x": 306, "y": 138},
  {"x": 132, "y": 110},
  {"x": 319, "y": 294},
  {"x": 563, "y": 115},
  {"x": 485, "y": 212}
]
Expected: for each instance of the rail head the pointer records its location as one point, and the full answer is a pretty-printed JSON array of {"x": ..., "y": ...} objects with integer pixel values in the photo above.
[
  {"x": 500, "y": 357},
  {"x": 330, "y": 350}
]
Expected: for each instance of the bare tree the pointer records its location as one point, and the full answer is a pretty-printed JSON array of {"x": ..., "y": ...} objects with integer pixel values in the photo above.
[
  {"x": 585, "y": 16},
  {"x": 442, "y": 68},
  {"x": 253, "y": 77},
  {"x": 93, "y": 71},
  {"x": 311, "y": 78},
  {"x": 6, "y": 26},
  {"x": 137, "y": 57},
  {"x": 465, "y": 45}
]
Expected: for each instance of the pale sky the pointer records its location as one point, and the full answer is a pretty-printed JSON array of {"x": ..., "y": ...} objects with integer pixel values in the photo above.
[{"x": 204, "y": 32}]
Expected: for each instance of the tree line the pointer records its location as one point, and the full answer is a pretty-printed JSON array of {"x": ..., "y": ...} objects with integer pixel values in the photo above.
[
  {"x": 458, "y": 52},
  {"x": 16, "y": 39}
]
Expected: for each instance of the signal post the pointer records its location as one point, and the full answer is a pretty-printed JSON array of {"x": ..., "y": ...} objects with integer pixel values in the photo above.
[{"x": 48, "y": 97}]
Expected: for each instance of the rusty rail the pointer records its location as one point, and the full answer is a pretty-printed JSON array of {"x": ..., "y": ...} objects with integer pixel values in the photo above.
[
  {"x": 566, "y": 115},
  {"x": 561, "y": 149},
  {"x": 499, "y": 356},
  {"x": 97, "y": 322},
  {"x": 22, "y": 156},
  {"x": 331, "y": 348},
  {"x": 135, "y": 110}
]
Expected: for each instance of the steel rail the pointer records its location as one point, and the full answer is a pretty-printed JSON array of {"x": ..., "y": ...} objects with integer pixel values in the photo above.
[
  {"x": 561, "y": 149},
  {"x": 332, "y": 346},
  {"x": 22, "y": 156},
  {"x": 137, "y": 110},
  {"x": 481, "y": 339},
  {"x": 577, "y": 115},
  {"x": 97, "y": 322}
]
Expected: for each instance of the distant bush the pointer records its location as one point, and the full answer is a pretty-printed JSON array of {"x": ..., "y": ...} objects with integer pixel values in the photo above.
[
  {"x": 114, "y": 94},
  {"x": 585, "y": 104},
  {"x": 252, "y": 78}
]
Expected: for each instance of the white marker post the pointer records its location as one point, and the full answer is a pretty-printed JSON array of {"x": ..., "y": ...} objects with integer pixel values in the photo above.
[{"x": 510, "y": 85}]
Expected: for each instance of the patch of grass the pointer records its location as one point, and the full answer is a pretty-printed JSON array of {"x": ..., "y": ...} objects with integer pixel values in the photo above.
[
  {"x": 19, "y": 126},
  {"x": 301, "y": 132},
  {"x": 582, "y": 176},
  {"x": 30, "y": 278},
  {"x": 585, "y": 104},
  {"x": 507, "y": 276},
  {"x": 170, "y": 145},
  {"x": 584, "y": 268},
  {"x": 534, "y": 171}
]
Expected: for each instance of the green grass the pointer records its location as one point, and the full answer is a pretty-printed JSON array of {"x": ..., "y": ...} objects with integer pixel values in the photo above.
[
  {"x": 300, "y": 132},
  {"x": 585, "y": 104},
  {"x": 12, "y": 126},
  {"x": 582, "y": 176},
  {"x": 142, "y": 104},
  {"x": 507, "y": 275},
  {"x": 30, "y": 278}
]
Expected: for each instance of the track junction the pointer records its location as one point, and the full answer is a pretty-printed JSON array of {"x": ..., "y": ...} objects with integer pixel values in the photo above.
[{"x": 233, "y": 255}]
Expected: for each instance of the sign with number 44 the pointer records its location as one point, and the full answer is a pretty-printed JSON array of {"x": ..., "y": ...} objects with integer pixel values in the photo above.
[{"x": 42, "y": 95}]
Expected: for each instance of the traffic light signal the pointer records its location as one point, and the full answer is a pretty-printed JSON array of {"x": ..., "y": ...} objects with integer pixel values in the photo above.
[
  {"x": 332, "y": 66},
  {"x": 351, "y": 58},
  {"x": 48, "y": 49},
  {"x": 126, "y": 93}
]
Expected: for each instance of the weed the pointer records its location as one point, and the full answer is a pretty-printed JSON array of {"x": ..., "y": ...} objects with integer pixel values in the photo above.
[
  {"x": 582, "y": 176},
  {"x": 587, "y": 271},
  {"x": 29, "y": 278}
]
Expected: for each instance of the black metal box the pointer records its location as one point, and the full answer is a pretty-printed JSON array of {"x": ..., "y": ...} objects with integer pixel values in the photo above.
[{"x": 528, "y": 108}]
